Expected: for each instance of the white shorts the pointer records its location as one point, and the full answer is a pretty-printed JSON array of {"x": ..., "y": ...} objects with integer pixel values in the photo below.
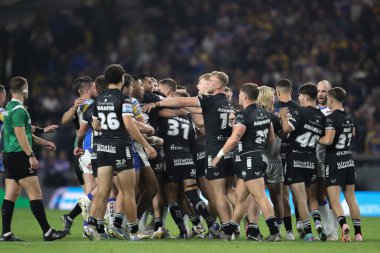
[
  {"x": 141, "y": 152},
  {"x": 85, "y": 162}
]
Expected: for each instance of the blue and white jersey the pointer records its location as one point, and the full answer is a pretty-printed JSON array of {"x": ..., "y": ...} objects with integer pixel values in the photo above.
[{"x": 1, "y": 138}]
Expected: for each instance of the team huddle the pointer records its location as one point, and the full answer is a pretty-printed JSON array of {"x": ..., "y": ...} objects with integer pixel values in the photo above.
[{"x": 146, "y": 148}]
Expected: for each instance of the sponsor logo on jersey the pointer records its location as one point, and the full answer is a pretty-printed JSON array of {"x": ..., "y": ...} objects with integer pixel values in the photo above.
[
  {"x": 221, "y": 138},
  {"x": 313, "y": 129},
  {"x": 261, "y": 122},
  {"x": 237, "y": 158},
  {"x": 229, "y": 155},
  {"x": 174, "y": 147},
  {"x": 185, "y": 161},
  {"x": 106, "y": 148},
  {"x": 105, "y": 107},
  {"x": 303, "y": 164},
  {"x": 341, "y": 153},
  {"x": 345, "y": 164}
]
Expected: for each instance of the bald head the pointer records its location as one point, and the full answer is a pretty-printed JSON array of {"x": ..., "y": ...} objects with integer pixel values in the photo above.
[{"x": 323, "y": 88}]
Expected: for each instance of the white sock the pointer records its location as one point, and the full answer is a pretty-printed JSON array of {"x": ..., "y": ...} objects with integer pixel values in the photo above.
[
  {"x": 333, "y": 224},
  {"x": 165, "y": 214},
  {"x": 325, "y": 217},
  {"x": 125, "y": 222},
  {"x": 144, "y": 219},
  {"x": 111, "y": 210}
]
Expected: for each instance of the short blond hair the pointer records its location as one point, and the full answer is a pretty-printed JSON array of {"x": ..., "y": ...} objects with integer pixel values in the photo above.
[
  {"x": 223, "y": 77},
  {"x": 266, "y": 96},
  {"x": 204, "y": 76}
]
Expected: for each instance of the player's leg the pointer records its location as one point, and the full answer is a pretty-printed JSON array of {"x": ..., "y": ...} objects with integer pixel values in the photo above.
[
  {"x": 349, "y": 194},
  {"x": 12, "y": 191},
  {"x": 253, "y": 215},
  {"x": 148, "y": 182},
  {"x": 311, "y": 191},
  {"x": 98, "y": 205},
  {"x": 171, "y": 195},
  {"x": 256, "y": 188},
  {"x": 299, "y": 192}
]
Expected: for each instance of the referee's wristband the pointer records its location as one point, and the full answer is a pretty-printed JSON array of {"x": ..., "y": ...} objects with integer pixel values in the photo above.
[
  {"x": 39, "y": 130},
  {"x": 220, "y": 154}
]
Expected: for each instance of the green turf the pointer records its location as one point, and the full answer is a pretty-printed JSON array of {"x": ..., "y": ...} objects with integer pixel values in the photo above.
[{"x": 25, "y": 227}]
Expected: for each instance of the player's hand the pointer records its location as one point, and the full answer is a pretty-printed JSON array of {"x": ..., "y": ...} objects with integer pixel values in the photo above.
[
  {"x": 50, "y": 145},
  {"x": 214, "y": 162},
  {"x": 149, "y": 107},
  {"x": 158, "y": 141},
  {"x": 77, "y": 102},
  {"x": 283, "y": 112},
  {"x": 33, "y": 163},
  {"x": 151, "y": 131},
  {"x": 50, "y": 129},
  {"x": 150, "y": 151},
  {"x": 78, "y": 151}
]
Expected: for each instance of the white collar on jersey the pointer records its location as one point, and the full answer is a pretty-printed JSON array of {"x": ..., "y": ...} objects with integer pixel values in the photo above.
[{"x": 15, "y": 99}]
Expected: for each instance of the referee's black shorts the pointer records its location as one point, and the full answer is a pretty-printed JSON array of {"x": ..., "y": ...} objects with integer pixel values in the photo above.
[{"x": 17, "y": 166}]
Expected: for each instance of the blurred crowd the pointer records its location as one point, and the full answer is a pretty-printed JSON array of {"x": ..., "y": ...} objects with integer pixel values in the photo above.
[{"x": 252, "y": 41}]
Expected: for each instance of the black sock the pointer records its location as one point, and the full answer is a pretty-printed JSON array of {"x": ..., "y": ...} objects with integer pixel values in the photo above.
[
  {"x": 93, "y": 222},
  {"x": 279, "y": 222},
  {"x": 306, "y": 226},
  {"x": 100, "y": 226},
  {"x": 288, "y": 223},
  {"x": 75, "y": 212},
  {"x": 157, "y": 223},
  {"x": 357, "y": 226},
  {"x": 230, "y": 228},
  {"x": 134, "y": 227},
  {"x": 176, "y": 213},
  {"x": 253, "y": 229},
  {"x": 38, "y": 211},
  {"x": 200, "y": 206},
  {"x": 316, "y": 215},
  {"x": 194, "y": 219},
  {"x": 341, "y": 220},
  {"x": 271, "y": 222},
  {"x": 296, "y": 213},
  {"x": 118, "y": 221},
  {"x": 7, "y": 214}
]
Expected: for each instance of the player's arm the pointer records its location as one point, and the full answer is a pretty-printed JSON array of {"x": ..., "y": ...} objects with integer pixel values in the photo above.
[
  {"x": 232, "y": 141},
  {"x": 198, "y": 120},
  {"x": 144, "y": 128},
  {"x": 81, "y": 134},
  {"x": 154, "y": 140},
  {"x": 47, "y": 144},
  {"x": 69, "y": 115},
  {"x": 174, "y": 102},
  {"x": 40, "y": 130},
  {"x": 287, "y": 126},
  {"x": 194, "y": 110},
  {"x": 353, "y": 132},
  {"x": 328, "y": 138},
  {"x": 271, "y": 135},
  {"x": 136, "y": 135},
  {"x": 169, "y": 113}
]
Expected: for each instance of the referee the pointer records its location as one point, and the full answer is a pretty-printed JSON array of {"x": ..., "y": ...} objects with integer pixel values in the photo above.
[{"x": 21, "y": 164}]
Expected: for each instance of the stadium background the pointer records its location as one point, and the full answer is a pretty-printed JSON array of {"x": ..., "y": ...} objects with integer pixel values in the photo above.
[{"x": 51, "y": 42}]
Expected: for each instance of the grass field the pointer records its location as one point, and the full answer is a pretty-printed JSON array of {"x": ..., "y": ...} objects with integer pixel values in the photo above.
[{"x": 26, "y": 227}]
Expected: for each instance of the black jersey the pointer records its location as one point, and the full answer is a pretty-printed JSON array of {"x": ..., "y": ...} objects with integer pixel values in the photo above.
[
  {"x": 343, "y": 124},
  {"x": 110, "y": 107},
  {"x": 257, "y": 122},
  {"x": 150, "y": 118},
  {"x": 293, "y": 108},
  {"x": 216, "y": 110},
  {"x": 308, "y": 128},
  {"x": 275, "y": 121},
  {"x": 87, "y": 118}
]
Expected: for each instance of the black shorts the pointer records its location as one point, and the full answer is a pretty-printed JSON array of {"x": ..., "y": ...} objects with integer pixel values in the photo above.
[
  {"x": 179, "y": 168},
  {"x": 79, "y": 172},
  {"x": 117, "y": 153},
  {"x": 300, "y": 168},
  {"x": 17, "y": 166},
  {"x": 225, "y": 166},
  {"x": 200, "y": 164},
  {"x": 252, "y": 165},
  {"x": 157, "y": 163},
  {"x": 340, "y": 171}
]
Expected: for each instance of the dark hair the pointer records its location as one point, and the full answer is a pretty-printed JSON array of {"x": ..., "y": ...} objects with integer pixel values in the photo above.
[
  {"x": 100, "y": 84},
  {"x": 2, "y": 88},
  {"x": 142, "y": 76},
  {"x": 251, "y": 89},
  {"x": 284, "y": 84},
  {"x": 80, "y": 84},
  {"x": 182, "y": 94},
  {"x": 114, "y": 73},
  {"x": 338, "y": 94},
  {"x": 181, "y": 87},
  {"x": 17, "y": 84},
  {"x": 128, "y": 80},
  {"x": 171, "y": 83},
  {"x": 309, "y": 89}
]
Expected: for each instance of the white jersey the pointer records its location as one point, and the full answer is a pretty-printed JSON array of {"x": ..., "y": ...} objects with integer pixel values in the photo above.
[{"x": 321, "y": 150}]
